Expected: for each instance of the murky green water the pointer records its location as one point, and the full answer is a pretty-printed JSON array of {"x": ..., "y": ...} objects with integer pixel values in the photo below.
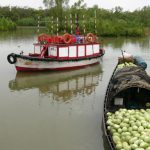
[{"x": 56, "y": 110}]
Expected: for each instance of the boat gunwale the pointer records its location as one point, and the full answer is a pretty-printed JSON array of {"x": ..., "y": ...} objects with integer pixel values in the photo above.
[
  {"x": 106, "y": 132},
  {"x": 56, "y": 59}
]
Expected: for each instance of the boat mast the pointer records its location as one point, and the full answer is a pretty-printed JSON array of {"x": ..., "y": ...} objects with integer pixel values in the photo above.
[
  {"x": 52, "y": 27},
  {"x": 38, "y": 27},
  {"x": 71, "y": 23},
  {"x": 84, "y": 24},
  {"x": 57, "y": 26},
  {"x": 65, "y": 26},
  {"x": 95, "y": 23},
  {"x": 77, "y": 25},
  {"x": 123, "y": 57}
]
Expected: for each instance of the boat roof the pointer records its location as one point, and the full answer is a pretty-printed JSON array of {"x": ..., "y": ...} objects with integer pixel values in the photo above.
[{"x": 63, "y": 44}]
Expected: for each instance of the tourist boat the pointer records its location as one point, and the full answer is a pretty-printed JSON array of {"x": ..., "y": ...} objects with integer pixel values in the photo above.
[
  {"x": 59, "y": 53},
  {"x": 128, "y": 90},
  {"x": 62, "y": 85}
]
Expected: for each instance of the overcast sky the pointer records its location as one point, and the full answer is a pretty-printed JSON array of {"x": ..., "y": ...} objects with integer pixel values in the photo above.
[{"x": 107, "y": 4}]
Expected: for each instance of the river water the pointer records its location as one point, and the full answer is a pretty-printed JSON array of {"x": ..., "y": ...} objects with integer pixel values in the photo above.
[{"x": 56, "y": 110}]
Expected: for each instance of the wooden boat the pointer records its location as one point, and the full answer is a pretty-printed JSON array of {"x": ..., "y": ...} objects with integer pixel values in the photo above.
[
  {"x": 129, "y": 90},
  {"x": 59, "y": 53}
]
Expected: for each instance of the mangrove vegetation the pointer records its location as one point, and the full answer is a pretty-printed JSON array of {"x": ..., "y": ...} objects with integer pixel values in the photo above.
[
  {"x": 115, "y": 22},
  {"x": 6, "y": 24}
]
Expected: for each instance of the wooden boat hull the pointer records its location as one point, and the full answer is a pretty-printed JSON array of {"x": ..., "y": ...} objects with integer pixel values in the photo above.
[{"x": 36, "y": 64}]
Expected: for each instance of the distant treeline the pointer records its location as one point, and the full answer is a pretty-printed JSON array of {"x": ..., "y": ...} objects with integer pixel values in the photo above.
[{"x": 115, "y": 22}]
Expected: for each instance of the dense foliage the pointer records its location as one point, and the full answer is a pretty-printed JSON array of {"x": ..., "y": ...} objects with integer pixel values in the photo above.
[
  {"x": 115, "y": 22},
  {"x": 6, "y": 24}
]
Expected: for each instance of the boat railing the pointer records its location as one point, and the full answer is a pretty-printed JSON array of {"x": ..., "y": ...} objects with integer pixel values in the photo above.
[
  {"x": 67, "y": 39},
  {"x": 109, "y": 138},
  {"x": 108, "y": 87}
]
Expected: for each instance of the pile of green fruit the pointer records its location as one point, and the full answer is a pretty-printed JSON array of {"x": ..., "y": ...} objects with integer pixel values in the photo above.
[
  {"x": 120, "y": 66},
  {"x": 130, "y": 129}
]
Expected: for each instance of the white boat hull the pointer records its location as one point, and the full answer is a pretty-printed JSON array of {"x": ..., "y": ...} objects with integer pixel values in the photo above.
[{"x": 25, "y": 64}]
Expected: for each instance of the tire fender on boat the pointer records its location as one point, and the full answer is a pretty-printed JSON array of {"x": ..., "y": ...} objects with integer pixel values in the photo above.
[
  {"x": 11, "y": 58},
  {"x": 67, "y": 38},
  {"x": 90, "y": 38}
]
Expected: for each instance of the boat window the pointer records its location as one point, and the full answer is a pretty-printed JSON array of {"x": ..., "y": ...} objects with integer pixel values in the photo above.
[
  {"x": 118, "y": 101},
  {"x": 63, "y": 51},
  {"x": 72, "y": 51},
  {"x": 37, "y": 49},
  {"x": 96, "y": 48},
  {"x": 52, "y": 51},
  {"x": 81, "y": 50},
  {"x": 89, "y": 50}
]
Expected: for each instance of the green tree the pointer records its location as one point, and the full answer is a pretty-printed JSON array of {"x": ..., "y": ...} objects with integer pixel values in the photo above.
[
  {"x": 57, "y": 6},
  {"x": 79, "y": 4},
  {"x": 49, "y": 3}
]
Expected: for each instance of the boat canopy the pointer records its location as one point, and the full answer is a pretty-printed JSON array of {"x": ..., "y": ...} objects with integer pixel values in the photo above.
[
  {"x": 129, "y": 88},
  {"x": 129, "y": 77}
]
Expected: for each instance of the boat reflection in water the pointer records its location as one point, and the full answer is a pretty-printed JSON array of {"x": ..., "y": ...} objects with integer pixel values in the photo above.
[{"x": 62, "y": 85}]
